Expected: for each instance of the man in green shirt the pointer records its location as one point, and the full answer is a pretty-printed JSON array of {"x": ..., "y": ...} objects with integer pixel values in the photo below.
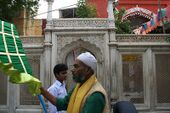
[{"x": 88, "y": 96}]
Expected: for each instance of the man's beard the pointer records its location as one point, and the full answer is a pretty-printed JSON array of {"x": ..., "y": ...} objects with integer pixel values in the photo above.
[{"x": 79, "y": 78}]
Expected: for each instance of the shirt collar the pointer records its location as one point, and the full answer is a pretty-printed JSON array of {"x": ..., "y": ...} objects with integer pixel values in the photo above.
[{"x": 57, "y": 82}]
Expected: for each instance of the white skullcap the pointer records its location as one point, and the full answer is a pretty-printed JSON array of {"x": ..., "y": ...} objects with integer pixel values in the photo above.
[{"x": 88, "y": 59}]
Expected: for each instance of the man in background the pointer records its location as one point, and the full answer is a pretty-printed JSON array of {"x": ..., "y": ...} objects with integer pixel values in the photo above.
[{"x": 58, "y": 89}]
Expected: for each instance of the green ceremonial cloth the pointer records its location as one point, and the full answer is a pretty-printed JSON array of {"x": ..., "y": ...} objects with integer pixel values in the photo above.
[
  {"x": 13, "y": 61},
  {"x": 95, "y": 103}
]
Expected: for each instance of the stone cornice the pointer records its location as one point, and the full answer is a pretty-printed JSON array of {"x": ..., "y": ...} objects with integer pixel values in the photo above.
[
  {"x": 32, "y": 40},
  {"x": 129, "y": 38},
  {"x": 83, "y": 23}
]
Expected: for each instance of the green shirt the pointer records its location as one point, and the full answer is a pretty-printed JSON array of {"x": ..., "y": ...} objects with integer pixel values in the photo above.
[{"x": 94, "y": 104}]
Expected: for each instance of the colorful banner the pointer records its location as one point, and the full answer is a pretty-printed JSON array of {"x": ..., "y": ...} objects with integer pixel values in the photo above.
[{"x": 147, "y": 27}]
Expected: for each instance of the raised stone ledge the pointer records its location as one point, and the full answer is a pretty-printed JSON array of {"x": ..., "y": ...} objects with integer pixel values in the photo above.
[
  {"x": 83, "y": 23},
  {"x": 142, "y": 38},
  {"x": 32, "y": 40}
]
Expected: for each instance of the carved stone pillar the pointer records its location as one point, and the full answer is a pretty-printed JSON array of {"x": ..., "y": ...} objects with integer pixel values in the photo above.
[
  {"x": 47, "y": 56},
  {"x": 110, "y": 9},
  {"x": 110, "y": 14},
  {"x": 49, "y": 13}
]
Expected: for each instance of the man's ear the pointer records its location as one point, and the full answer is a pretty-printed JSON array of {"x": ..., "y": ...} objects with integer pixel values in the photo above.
[
  {"x": 88, "y": 70},
  {"x": 56, "y": 75}
]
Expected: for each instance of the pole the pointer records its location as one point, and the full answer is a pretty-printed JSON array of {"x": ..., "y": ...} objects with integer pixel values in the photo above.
[
  {"x": 159, "y": 7},
  {"x": 42, "y": 103}
]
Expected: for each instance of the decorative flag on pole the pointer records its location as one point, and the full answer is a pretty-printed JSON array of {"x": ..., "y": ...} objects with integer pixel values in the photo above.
[{"x": 13, "y": 61}]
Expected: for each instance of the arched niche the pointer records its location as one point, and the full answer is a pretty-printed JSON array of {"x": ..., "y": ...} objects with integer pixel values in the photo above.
[{"x": 70, "y": 51}]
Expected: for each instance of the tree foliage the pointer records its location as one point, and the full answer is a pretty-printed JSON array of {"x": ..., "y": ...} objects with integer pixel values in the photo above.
[
  {"x": 122, "y": 27},
  {"x": 10, "y": 9},
  {"x": 85, "y": 10}
]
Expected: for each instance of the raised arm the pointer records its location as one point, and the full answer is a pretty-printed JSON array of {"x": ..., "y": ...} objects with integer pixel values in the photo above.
[{"x": 48, "y": 96}]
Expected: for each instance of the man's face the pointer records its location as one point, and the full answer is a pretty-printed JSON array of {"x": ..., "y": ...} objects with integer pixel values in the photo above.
[
  {"x": 62, "y": 75},
  {"x": 79, "y": 73}
]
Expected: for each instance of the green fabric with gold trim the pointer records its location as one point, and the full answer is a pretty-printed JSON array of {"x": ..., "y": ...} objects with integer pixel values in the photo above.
[{"x": 13, "y": 61}]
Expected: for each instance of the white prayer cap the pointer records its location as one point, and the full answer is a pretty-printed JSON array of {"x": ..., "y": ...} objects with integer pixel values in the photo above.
[{"x": 88, "y": 59}]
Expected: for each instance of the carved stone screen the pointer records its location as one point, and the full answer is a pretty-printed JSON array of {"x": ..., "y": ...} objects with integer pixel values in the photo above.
[
  {"x": 3, "y": 89},
  {"x": 25, "y": 97},
  {"x": 163, "y": 77},
  {"x": 133, "y": 77}
]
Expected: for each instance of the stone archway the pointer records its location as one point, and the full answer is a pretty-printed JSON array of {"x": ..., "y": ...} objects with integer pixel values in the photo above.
[
  {"x": 72, "y": 50},
  {"x": 81, "y": 44},
  {"x": 92, "y": 35}
]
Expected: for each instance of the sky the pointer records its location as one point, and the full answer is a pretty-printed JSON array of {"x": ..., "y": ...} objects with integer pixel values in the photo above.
[{"x": 57, "y": 4}]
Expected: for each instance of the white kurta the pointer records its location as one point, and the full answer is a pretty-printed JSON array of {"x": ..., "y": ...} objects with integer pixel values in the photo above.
[{"x": 58, "y": 90}]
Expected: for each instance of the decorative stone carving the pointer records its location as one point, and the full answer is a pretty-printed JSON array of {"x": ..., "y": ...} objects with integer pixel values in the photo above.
[
  {"x": 82, "y": 22},
  {"x": 95, "y": 43},
  {"x": 138, "y": 11},
  {"x": 34, "y": 40},
  {"x": 141, "y": 38}
]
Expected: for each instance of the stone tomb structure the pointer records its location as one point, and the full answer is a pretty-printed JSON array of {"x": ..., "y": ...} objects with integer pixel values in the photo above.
[{"x": 69, "y": 37}]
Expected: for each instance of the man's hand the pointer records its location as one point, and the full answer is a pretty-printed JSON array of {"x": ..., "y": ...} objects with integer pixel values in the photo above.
[{"x": 48, "y": 96}]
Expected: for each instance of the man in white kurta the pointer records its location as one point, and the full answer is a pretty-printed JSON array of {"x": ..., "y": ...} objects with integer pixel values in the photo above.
[{"x": 58, "y": 89}]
